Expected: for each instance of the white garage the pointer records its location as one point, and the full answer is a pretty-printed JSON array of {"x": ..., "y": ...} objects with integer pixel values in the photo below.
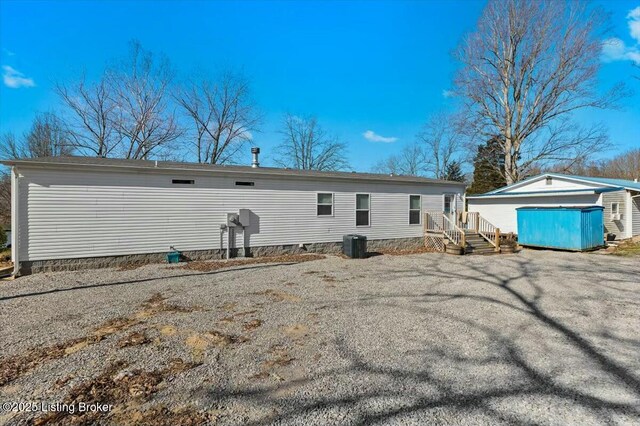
[{"x": 620, "y": 199}]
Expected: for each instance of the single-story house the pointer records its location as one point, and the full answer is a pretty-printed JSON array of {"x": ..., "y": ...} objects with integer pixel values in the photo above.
[
  {"x": 77, "y": 212},
  {"x": 620, "y": 199}
]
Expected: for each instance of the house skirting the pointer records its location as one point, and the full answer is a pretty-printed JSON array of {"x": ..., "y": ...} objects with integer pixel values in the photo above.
[{"x": 76, "y": 264}]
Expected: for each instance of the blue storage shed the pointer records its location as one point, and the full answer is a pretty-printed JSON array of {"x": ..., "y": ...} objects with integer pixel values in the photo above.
[{"x": 566, "y": 228}]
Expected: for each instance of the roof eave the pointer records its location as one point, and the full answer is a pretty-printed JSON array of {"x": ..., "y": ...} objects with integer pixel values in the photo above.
[{"x": 277, "y": 173}]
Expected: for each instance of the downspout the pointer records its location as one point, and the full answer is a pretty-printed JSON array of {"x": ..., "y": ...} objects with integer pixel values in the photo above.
[{"x": 15, "y": 226}]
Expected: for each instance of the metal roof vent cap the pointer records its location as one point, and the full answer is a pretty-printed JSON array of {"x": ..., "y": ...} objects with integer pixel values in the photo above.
[{"x": 254, "y": 153}]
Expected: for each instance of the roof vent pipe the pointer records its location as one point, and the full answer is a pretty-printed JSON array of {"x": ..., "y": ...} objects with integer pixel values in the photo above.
[{"x": 254, "y": 152}]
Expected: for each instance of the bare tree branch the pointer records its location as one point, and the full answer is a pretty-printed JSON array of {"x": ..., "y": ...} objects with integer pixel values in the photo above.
[
  {"x": 92, "y": 122},
  {"x": 441, "y": 143},
  {"x": 47, "y": 137},
  {"x": 223, "y": 116},
  {"x": 526, "y": 69},
  {"x": 143, "y": 119},
  {"x": 307, "y": 146}
]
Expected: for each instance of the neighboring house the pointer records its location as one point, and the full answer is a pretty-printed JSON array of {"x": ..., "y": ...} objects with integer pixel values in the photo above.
[
  {"x": 110, "y": 211},
  {"x": 620, "y": 199}
]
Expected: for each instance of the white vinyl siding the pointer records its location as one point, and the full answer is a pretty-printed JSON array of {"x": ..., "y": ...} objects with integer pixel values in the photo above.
[
  {"x": 635, "y": 215},
  {"x": 74, "y": 214},
  {"x": 557, "y": 184},
  {"x": 609, "y": 200},
  {"x": 502, "y": 213}
]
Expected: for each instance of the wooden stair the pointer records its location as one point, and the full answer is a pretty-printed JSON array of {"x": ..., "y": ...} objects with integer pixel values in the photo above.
[{"x": 476, "y": 244}]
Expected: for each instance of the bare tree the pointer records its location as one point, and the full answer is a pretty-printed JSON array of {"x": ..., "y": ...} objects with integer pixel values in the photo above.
[
  {"x": 5, "y": 198},
  {"x": 528, "y": 66},
  {"x": 47, "y": 137},
  {"x": 223, "y": 116},
  {"x": 622, "y": 166},
  {"x": 144, "y": 120},
  {"x": 409, "y": 162},
  {"x": 92, "y": 122},
  {"x": 442, "y": 145},
  {"x": 307, "y": 146}
]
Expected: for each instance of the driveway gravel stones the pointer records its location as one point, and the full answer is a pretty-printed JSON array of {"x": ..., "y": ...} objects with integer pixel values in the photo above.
[{"x": 538, "y": 337}]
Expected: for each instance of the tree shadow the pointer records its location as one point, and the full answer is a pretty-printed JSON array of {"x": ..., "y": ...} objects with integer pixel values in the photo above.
[
  {"x": 138, "y": 281},
  {"x": 514, "y": 288}
]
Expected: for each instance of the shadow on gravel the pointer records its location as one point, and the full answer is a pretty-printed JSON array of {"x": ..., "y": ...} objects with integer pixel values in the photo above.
[
  {"x": 142, "y": 280},
  {"x": 503, "y": 400}
]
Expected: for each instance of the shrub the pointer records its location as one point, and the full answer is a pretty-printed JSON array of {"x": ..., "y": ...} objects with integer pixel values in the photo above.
[{"x": 3, "y": 237}]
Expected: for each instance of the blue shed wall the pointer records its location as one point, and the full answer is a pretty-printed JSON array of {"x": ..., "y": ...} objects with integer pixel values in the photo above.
[{"x": 561, "y": 227}]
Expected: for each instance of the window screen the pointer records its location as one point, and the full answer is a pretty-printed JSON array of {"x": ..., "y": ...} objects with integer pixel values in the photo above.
[
  {"x": 363, "y": 210},
  {"x": 414, "y": 209},
  {"x": 325, "y": 204}
]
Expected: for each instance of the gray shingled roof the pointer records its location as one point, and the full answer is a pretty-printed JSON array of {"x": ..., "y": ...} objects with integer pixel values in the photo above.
[{"x": 177, "y": 166}]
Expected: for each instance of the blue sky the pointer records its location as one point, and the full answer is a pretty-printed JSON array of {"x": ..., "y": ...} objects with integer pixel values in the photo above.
[{"x": 357, "y": 66}]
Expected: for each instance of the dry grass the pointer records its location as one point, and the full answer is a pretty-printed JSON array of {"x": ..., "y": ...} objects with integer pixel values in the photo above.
[
  {"x": 114, "y": 387},
  {"x": 15, "y": 366},
  {"x": 136, "y": 338},
  {"x": 628, "y": 248},
  {"x": 210, "y": 266}
]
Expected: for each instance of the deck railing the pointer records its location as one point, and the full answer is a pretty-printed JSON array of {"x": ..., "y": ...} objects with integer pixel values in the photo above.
[
  {"x": 453, "y": 232},
  {"x": 489, "y": 232}
]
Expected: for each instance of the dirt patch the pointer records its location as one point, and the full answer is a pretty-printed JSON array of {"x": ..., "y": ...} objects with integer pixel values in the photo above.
[
  {"x": 252, "y": 325},
  {"x": 136, "y": 338},
  {"x": 199, "y": 342},
  {"x": 168, "y": 330},
  {"x": 132, "y": 265},
  {"x": 113, "y": 387},
  {"x": 417, "y": 250},
  {"x": 223, "y": 264},
  {"x": 279, "y": 296},
  {"x": 278, "y": 357},
  {"x": 13, "y": 367},
  {"x": 296, "y": 331},
  {"x": 158, "y": 304},
  {"x": 115, "y": 325}
]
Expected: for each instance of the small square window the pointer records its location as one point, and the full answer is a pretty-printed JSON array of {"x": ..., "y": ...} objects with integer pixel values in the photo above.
[
  {"x": 325, "y": 204},
  {"x": 615, "y": 208}
]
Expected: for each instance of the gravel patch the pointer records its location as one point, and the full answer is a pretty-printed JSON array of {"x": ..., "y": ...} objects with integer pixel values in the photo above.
[{"x": 538, "y": 337}]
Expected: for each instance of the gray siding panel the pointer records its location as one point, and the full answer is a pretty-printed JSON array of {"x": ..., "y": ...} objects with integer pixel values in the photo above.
[
  {"x": 615, "y": 226},
  {"x": 635, "y": 216},
  {"x": 68, "y": 214}
]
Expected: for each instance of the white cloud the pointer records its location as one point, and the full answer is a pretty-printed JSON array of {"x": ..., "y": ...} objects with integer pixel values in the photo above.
[
  {"x": 634, "y": 24},
  {"x": 448, "y": 93},
  {"x": 372, "y": 136},
  {"x": 15, "y": 79},
  {"x": 615, "y": 49}
]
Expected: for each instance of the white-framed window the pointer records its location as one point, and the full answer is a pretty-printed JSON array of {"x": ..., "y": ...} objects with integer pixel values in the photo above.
[
  {"x": 325, "y": 204},
  {"x": 363, "y": 210},
  {"x": 615, "y": 211},
  {"x": 415, "y": 209}
]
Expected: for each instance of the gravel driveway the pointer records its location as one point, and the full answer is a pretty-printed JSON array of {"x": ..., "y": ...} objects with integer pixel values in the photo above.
[{"x": 540, "y": 337}]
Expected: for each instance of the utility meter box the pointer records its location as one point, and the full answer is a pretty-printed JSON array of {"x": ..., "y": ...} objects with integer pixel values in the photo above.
[
  {"x": 245, "y": 217},
  {"x": 233, "y": 220}
]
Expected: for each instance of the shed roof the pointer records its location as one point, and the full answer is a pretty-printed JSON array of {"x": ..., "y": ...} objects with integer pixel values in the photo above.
[
  {"x": 615, "y": 184},
  {"x": 73, "y": 161}
]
